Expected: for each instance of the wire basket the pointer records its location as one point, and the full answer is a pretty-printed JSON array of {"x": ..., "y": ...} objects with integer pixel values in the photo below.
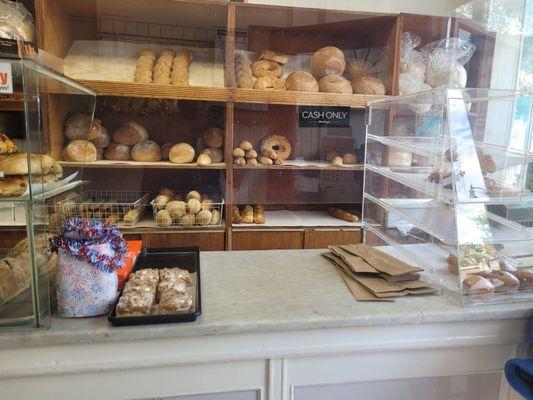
[
  {"x": 111, "y": 206},
  {"x": 182, "y": 217}
]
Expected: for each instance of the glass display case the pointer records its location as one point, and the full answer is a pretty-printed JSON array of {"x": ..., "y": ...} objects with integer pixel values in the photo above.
[
  {"x": 448, "y": 185},
  {"x": 31, "y": 182}
]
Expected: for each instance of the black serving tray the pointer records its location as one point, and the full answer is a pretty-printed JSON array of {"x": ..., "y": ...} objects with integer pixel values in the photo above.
[{"x": 183, "y": 257}]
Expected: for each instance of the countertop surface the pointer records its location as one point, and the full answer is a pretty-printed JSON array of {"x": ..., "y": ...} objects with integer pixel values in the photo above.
[{"x": 267, "y": 291}]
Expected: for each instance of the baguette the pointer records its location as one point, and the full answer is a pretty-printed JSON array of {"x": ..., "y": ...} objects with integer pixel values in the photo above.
[
  {"x": 248, "y": 215},
  {"x": 338, "y": 213},
  {"x": 237, "y": 217},
  {"x": 259, "y": 214}
]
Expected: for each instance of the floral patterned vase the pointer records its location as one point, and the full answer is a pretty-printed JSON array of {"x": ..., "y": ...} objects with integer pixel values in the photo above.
[{"x": 83, "y": 290}]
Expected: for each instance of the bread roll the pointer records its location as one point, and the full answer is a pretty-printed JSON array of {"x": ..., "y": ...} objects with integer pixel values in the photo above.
[
  {"x": 99, "y": 153},
  {"x": 6, "y": 145},
  {"x": 215, "y": 155},
  {"x": 130, "y": 133},
  {"x": 236, "y": 215},
  {"x": 204, "y": 217},
  {"x": 368, "y": 85},
  {"x": 349, "y": 158},
  {"x": 264, "y": 160},
  {"x": 251, "y": 161},
  {"x": 102, "y": 140},
  {"x": 181, "y": 153},
  {"x": 238, "y": 152},
  {"x": 118, "y": 152},
  {"x": 251, "y": 154},
  {"x": 161, "y": 201},
  {"x": 188, "y": 220},
  {"x": 41, "y": 164},
  {"x": 335, "y": 84},
  {"x": 82, "y": 127},
  {"x": 193, "y": 194},
  {"x": 248, "y": 215},
  {"x": 327, "y": 61},
  {"x": 259, "y": 214},
  {"x": 207, "y": 204},
  {"x": 337, "y": 161},
  {"x": 357, "y": 68},
  {"x": 81, "y": 151},
  {"x": 213, "y": 137},
  {"x": 301, "y": 81},
  {"x": 239, "y": 161},
  {"x": 163, "y": 218},
  {"x": 203, "y": 160},
  {"x": 246, "y": 145},
  {"x": 177, "y": 209},
  {"x": 215, "y": 217},
  {"x": 147, "y": 151},
  {"x": 165, "y": 149},
  {"x": 270, "y": 55}
]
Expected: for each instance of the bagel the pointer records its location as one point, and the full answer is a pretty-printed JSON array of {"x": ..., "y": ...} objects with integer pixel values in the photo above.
[
  {"x": 269, "y": 83},
  {"x": 335, "y": 84},
  {"x": 270, "y": 55},
  {"x": 302, "y": 82},
  {"x": 368, "y": 85},
  {"x": 265, "y": 68},
  {"x": 277, "y": 143}
]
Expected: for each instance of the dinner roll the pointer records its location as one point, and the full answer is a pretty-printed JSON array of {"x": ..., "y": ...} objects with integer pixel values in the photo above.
[{"x": 181, "y": 153}]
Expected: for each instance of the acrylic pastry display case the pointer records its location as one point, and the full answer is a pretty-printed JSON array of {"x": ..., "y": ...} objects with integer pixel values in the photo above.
[
  {"x": 31, "y": 182},
  {"x": 444, "y": 171}
]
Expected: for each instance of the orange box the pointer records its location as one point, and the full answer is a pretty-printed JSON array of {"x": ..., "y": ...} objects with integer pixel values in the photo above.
[{"x": 134, "y": 249}]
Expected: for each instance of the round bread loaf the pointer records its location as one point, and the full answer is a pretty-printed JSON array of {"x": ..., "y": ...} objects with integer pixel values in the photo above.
[
  {"x": 337, "y": 161},
  {"x": 161, "y": 201},
  {"x": 301, "y": 81},
  {"x": 82, "y": 127},
  {"x": 215, "y": 155},
  {"x": 349, "y": 158},
  {"x": 147, "y": 151},
  {"x": 181, "y": 153},
  {"x": 188, "y": 220},
  {"x": 176, "y": 208},
  {"x": 163, "y": 218},
  {"x": 100, "y": 153},
  {"x": 130, "y": 133},
  {"x": 41, "y": 164},
  {"x": 357, "y": 68},
  {"x": 81, "y": 151},
  {"x": 102, "y": 140},
  {"x": 204, "y": 217},
  {"x": 213, "y": 137},
  {"x": 327, "y": 61},
  {"x": 335, "y": 84},
  {"x": 194, "y": 205},
  {"x": 368, "y": 85},
  {"x": 165, "y": 149},
  {"x": 118, "y": 152},
  {"x": 193, "y": 194},
  {"x": 204, "y": 160}
]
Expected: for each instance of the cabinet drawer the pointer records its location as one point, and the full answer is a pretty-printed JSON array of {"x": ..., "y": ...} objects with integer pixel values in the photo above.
[
  {"x": 318, "y": 239},
  {"x": 206, "y": 241},
  {"x": 267, "y": 240}
]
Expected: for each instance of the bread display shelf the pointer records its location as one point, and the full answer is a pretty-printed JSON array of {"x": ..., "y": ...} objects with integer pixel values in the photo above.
[
  {"x": 138, "y": 164},
  {"x": 220, "y": 94},
  {"x": 299, "y": 219},
  {"x": 303, "y": 165},
  {"x": 12, "y": 102}
]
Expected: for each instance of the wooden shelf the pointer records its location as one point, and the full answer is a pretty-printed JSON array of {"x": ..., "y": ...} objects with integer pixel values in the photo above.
[
  {"x": 138, "y": 165},
  {"x": 313, "y": 166},
  {"x": 298, "y": 220},
  {"x": 220, "y": 94},
  {"x": 148, "y": 225},
  {"x": 12, "y": 102}
]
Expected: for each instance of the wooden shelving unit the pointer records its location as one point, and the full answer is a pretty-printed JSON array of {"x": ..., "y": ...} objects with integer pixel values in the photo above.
[
  {"x": 139, "y": 165},
  {"x": 12, "y": 102},
  {"x": 249, "y": 114}
]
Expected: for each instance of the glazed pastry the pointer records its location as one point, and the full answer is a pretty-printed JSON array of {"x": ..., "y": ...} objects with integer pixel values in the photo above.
[
  {"x": 278, "y": 144},
  {"x": 502, "y": 281},
  {"x": 251, "y": 161},
  {"x": 148, "y": 276},
  {"x": 175, "y": 274},
  {"x": 135, "y": 304},
  {"x": 248, "y": 215},
  {"x": 172, "y": 303},
  {"x": 236, "y": 215},
  {"x": 525, "y": 276},
  {"x": 251, "y": 154},
  {"x": 259, "y": 214}
]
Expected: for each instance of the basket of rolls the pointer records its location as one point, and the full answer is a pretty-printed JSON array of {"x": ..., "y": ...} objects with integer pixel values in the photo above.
[
  {"x": 109, "y": 206},
  {"x": 187, "y": 209}
]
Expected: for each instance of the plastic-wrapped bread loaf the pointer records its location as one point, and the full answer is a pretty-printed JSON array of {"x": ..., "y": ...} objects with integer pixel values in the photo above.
[
  {"x": 163, "y": 66},
  {"x": 180, "y": 67},
  {"x": 144, "y": 67},
  {"x": 243, "y": 72}
]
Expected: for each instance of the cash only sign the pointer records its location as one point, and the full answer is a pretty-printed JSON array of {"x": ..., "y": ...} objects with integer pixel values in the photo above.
[{"x": 327, "y": 117}]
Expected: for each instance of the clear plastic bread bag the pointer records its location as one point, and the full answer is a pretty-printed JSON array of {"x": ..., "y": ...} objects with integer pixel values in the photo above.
[
  {"x": 445, "y": 62},
  {"x": 16, "y": 22},
  {"x": 412, "y": 61}
]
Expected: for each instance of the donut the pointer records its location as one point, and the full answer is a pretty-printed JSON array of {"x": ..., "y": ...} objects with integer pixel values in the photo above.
[
  {"x": 277, "y": 143},
  {"x": 302, "y": 82},
  {"x": 269, "y": 83},
  {"x": 265, "y": 68},
  {"x": 270, "y": 55}
]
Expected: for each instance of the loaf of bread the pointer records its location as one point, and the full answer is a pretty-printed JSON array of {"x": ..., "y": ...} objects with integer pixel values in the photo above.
[
  {"x": 130, "y": 133},
  {"x": 117, "y": 152},
  {"x": 80, "y": 151},
  {"x": 213, "y": 137},
  {"x": 236, "y": 215},
  {"x": 327, "y": 61},
  {"x": 248, "y": 215},
  {"x": 41, "y": 164},
  {"x": 180, "y": 67},
  {"x": 214, "y": 154},
  {"x": 6, "y": 145},
  {"x": 243, "y": 73},
  {"x": 301, "y": 81},
  {"x": 147, "y": 151},
  {"x": 204, "y": 160},
  {"x": 82, "y": 127},
  {"x": 368, "y": 85},
  {"x": 338, "y": 213},
  {"x": 259, "y": 214},
  {"x": 102, "y": 140},
  {"x": 144, "y": 67},
  {"x": 165, "y": 149},
  {"x": 181, "y": 153}
]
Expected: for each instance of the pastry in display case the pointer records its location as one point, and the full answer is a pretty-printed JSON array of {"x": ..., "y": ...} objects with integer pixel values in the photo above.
[
  {"x": 31, "y": 182},
  {"x": 466, "y": 164}
]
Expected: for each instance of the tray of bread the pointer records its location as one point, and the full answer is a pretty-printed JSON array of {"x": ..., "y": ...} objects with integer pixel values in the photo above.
[{"x": 164, "y": 286}]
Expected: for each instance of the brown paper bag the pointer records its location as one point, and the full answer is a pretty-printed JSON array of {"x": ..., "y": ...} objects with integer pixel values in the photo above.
[{"x": 357, "y": 264}]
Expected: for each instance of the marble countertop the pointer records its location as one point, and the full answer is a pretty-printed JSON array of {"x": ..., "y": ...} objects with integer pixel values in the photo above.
[{"x": 262, "y": 291}]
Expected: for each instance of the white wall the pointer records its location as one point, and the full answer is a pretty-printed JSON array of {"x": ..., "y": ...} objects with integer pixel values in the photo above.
[{"x": 430, "y": 7}]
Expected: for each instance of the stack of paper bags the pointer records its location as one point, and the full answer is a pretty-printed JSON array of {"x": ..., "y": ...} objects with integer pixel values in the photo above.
[{"x": 373, "y": 275}]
